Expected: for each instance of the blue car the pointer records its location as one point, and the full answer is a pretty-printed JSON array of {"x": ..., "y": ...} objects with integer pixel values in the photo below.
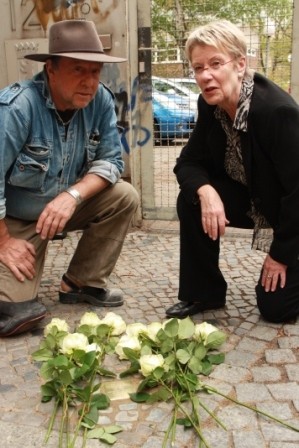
[{"x": 172, "y": 117}]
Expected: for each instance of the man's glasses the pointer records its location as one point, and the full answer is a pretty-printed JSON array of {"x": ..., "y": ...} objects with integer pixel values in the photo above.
[{"x": 212, "y": 66}]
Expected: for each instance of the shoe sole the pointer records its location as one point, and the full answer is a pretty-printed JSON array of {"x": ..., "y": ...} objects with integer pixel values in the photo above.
[
  {"x": 81, "y": 298},
  {"x": 24, "y": 326}
]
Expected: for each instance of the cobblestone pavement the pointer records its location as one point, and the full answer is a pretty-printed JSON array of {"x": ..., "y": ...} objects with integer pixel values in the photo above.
[{"x": 261, "y": 366}]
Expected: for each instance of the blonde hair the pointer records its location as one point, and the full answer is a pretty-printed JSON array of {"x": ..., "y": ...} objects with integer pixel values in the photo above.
[{"x": 221, "y": 34}]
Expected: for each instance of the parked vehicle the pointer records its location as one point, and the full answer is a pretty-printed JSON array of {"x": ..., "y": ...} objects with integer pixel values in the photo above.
[
  {"x": 188, "y": 83},
  {"x": 172, "y": 119},
  {"x": 183, "y": 87}
]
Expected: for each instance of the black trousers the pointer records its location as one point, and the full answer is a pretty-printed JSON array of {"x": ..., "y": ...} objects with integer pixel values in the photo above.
[{"x": 200, "y": 277}]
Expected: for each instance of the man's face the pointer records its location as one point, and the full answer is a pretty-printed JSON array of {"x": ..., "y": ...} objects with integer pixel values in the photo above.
[{"x": 73, "y": 83}]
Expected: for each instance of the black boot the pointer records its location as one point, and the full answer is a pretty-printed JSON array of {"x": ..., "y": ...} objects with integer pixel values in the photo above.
[{"x": 18, "y": 317}]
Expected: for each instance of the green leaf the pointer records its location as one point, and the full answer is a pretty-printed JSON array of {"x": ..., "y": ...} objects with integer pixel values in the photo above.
[
  {"x": 43, "y": 354},
  {"x": 113, "y": 429},
  {"x": 65, "y": 377},
  {"x": 48, "y": 390},
  {"x": 184, "y": 422},
  {"x": 108, "y": 438},
  {"x": 91, "y": 418},
  {"x": 195, "y": 365},
  {"x": 183, "y": 356},
  {"x": 103, "y": 330},
  {"x": 161, "y": 394},
  {"x": 215, "y": 339},
  {"x": 105, "y": 372},
  {"x": 100, "y": 401},
  {"x": 61, "y": 361},
  {"x": 216, "y": 359},
  {"x": 158, "y": 373},
  {"x": 95, "y": 433},
  {"x": 133, "y": 369},
  {"x": 140, "y": 397},
  {"x": 206, "y": 367},
  {"x": 131, "y": 354},
  {"x": 146, "y": 350},
  {"x": 167, "y": 345},
  {"x": 200, "y": 352},
  {"x": 186, "y": 328},
  {"x": 171, "y": 328},
  {"x": 46, "y": 371}
]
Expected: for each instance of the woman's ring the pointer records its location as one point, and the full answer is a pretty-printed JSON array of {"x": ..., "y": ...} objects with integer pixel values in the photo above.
[{"x": 269, "y": 276}]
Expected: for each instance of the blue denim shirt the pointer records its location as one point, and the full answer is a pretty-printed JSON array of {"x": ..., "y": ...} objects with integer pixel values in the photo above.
[{"x": 39, "y": 159}]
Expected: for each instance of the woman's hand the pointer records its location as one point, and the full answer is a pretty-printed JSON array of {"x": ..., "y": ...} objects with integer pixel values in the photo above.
[
  {"x": 273, "y": 275},
  {"x": 212, "y": 212}
]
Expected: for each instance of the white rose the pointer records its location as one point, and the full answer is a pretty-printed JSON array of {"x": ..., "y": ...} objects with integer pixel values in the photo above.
[
  {"x": 115, "y": 322},
  {"x": 93, "y": 348},
  {"x": 74, "y": 341},
  {"x": 91, "y": 319},
  {"x": 135, "y": 329},
  {"x": 153, "y": 329},
  {"x": 202, "y": 331},
  {"x": 126, "y": 341},
  {"x": 60, "y": 324},
  {"x": 148, "y": 363}
]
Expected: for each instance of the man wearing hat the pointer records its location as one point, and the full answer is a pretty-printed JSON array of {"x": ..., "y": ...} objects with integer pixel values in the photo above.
[{"x": 60, "y": 171}]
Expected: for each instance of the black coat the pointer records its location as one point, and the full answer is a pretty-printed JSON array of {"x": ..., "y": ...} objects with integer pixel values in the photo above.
[{"x": 270, "y": 151}]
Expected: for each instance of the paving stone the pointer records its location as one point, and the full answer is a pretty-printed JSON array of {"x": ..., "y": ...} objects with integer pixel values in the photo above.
[
  {"x": 281, "y": 356},
  {"x": 248, "y": 439},
  {"x": 266, "y": 374}
]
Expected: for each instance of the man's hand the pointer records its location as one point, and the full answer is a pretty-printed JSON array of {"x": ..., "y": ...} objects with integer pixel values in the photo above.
[
  {"x": 55, "y": 215},
  {"x": 19, "y": 256},
  {"x": 212, "y": 212},
  {"x": 274, "y": 274}
]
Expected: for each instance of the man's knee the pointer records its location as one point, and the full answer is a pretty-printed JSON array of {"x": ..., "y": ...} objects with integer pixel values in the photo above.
[{"x": 127, "y": 195}]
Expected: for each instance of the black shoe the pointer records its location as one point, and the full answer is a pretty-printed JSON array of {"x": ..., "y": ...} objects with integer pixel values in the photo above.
[
  {"x": 89, "y": 294},
  {"x": 18, "y": 317},
  {"x": 184, "y": 309}
]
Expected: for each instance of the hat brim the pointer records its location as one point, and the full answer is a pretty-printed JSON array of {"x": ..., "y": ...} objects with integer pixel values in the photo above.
[{"x": 92, "y": 57}]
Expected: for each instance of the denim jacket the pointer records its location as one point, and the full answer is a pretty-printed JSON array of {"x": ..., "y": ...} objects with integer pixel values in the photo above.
[{"x": 40, "y": 157}]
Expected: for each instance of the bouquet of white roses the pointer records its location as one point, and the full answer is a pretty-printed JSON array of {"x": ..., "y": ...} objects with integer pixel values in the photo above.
[
  {"x": 170, "y": 356},
  {"x": 71, "y": 366}
]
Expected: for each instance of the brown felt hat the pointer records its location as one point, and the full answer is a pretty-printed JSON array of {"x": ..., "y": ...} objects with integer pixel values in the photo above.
[{"x": 77, "y": 39}]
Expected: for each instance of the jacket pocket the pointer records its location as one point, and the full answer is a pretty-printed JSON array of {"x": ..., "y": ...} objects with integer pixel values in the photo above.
[{"x": 30, "y": 168}]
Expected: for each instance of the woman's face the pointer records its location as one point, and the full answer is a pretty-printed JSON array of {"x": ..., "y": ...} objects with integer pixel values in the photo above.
[{"x": 219, "y": 76}]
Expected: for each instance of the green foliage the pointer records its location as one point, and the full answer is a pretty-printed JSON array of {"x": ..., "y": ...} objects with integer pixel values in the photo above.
[{"x": 172, "y": 21}]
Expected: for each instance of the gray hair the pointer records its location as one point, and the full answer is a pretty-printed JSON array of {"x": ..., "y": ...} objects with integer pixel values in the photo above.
[{"x": 221, "y": 34}]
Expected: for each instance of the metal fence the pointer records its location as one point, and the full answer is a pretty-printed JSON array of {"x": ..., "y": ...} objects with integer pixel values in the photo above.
[{"x": 268, "y": 27}]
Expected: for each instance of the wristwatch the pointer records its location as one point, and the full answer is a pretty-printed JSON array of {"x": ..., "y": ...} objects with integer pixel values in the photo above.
[{"x": 75, "y": 193}]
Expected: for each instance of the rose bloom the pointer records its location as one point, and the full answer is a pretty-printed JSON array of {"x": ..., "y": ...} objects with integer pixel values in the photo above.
[
  {"x": 202, "y": 331},
  {"x": 94, "y": 348},
  {"x": 91, "y": 319},
  {"x": 135, "y": 329},
  {"x": 126, "y": 341},
  {"x": 60, "y": 324},
  {"x": 152, "y": 330},
  {"x": 148, "y": 363},
  {"x": 74, "y": 341},
  {"x": 116, "y": 323}
]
